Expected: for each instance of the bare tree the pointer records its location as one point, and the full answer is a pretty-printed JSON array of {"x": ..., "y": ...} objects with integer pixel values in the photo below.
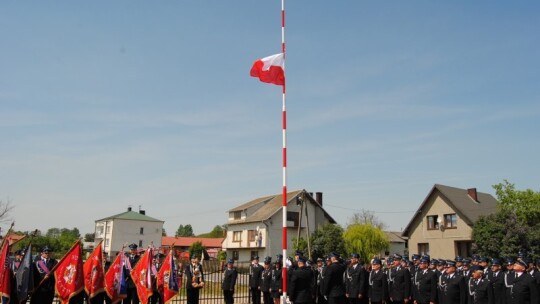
[
  {"x": 366, "y": 217},
  {"x": 5, "y": 209}
]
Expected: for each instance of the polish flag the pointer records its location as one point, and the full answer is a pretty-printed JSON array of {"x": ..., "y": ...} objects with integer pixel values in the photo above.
[{"x": 270, "y": 69}]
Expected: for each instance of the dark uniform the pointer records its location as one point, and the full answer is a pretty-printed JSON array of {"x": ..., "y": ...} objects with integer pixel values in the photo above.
[
  {"x": 255, "y": 275},
  {"x": 277, "y": 281},
  {"x": 43, "y": 266},
  {"x": 266, "y": 281},
  {"x": 229, "y": 281},
  {"x": 301, "y": 284},
  {"x": 453, "y": 289},
  {"x": 425, "y": 286},
  {"x": 157, "y": 297},
  {"x": 496, "y": 279},
  {"x": 355, "y": 279},
  {"x": 133, "y": 256},
  {"x": 193, "y": 276},
  {"x": 378, "y": 284},
  {"x": 334, "y": 289},
  {"x": 523, "y": 290},
  {"x": 320, "y": 270},
  {"x": 481, "y": 291},
  {"x": 399, "y": 282}
]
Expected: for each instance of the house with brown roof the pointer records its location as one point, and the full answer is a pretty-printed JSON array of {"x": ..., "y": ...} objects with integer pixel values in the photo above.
[
  {"x": 396, "y": 244},
  {"x": 442, "y": 225},
  {"x": 255, "y": 228},
  {"x": 182, "y": 244}
]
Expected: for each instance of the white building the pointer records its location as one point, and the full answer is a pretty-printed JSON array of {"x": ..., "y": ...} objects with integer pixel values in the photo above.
[
  {"x": 255, "y": 228},
  {"x": 127, "y": 228}
]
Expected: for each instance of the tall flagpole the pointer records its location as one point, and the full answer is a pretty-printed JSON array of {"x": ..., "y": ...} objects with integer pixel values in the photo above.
[{"x": 284, "y": 194}]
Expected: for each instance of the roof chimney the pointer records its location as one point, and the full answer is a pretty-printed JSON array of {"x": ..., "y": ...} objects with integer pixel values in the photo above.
[
  {"x": 318, "y": 197},
  {"x": 142, "y": 212},
  {"x": 129, "y": 208},
  {"x": 472, "y": 193}
]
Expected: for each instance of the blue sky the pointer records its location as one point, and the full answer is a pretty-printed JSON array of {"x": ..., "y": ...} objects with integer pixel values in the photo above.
[{"x": 107, "y": 104}]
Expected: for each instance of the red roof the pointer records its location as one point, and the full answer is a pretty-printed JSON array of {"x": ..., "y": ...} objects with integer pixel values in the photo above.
[{"x": 188, "y": 241}]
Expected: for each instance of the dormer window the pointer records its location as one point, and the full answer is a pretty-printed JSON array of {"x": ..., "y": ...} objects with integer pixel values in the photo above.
[{"x": 237, "y": 215}]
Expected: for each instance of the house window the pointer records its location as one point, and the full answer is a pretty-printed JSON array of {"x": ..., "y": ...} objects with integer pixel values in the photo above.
[
  {"x": 251, "y": 235},
  {"x": 237, "y": 236},
  {"x": 235, "y": 255},
  {"x": 450, "y": 221},
  {"x": 292, "y": 217},
  {"x": 108, "y": 230},
  {"x": 423, "y": 248},
  {"x": 141, "y": 231},
  {"x": 140, "y": 243},
  {"x": 432, "y": 223},
  {"x": 107, "y": 242},
  {"x": 237, "y": 215}
]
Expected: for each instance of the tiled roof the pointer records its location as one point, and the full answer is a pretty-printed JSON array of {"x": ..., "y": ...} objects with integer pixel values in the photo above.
[
  {"x": 188, "y": 241},
  {"x": 131, "y": 215}
]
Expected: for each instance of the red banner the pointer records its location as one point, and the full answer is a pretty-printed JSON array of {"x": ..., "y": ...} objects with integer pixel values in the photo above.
[
  {"x": 115, "y": 280},
  {"x": 142, "y": 276},
  {"x": 69, "y": 274},
  {"x": 94, "y": 277},
  {"x": 167, "y": 281},
  {"x": 5, "y": 272}
]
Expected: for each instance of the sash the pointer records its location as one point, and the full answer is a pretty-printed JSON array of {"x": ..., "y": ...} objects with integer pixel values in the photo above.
[{"x": 43, "y": 267}]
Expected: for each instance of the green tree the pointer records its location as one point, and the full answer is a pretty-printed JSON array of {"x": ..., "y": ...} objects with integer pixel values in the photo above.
[
  {"x": 366, "y": 240},
  {"x": 515, "y": 226},
  {"x": 186, "y": 230},
  {"x": 217, "y": 232},
  {"x": 197, "y": 248},
  {"x": 163, "y": 232},
  {"x": 328, "y": 238},
  {"x": 89, "y": 237}
]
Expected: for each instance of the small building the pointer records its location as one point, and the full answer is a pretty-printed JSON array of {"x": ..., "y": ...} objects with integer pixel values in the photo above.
[
  {"x": 397, "y": 244},
  {"x": 126, "y": 228},
  {"x": 255, "y": 228},
  {"x": 182, "y": 244},
  {"x": 442, "y": 226}
]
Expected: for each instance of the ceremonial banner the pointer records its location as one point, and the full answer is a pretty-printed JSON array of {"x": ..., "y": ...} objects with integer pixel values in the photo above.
[
  {"x": 94, "y": 277},
  {"x": 142, "y": 276},
  {"x": 270, "y": 69},
  {"x": 69, "y": 274},
  {"x": 5, "y": 273},
  {"x": 115, "y": 280},
  {"x": 24, "y": 275},
  {"x": 167, "y": 281}
]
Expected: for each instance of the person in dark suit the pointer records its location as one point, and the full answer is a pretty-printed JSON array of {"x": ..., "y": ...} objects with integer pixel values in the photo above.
[
  {"x": 425, "y": 284},
  {"x": 255, "y": 275},
  {"x": 509, "y": 276},
  {"x": 266, "y": 280},
  {"x": 321, "y": 268},
  {"x": 334, "y": 289},
  {"x": 496, "y": 278},
  {"x": 133, "y": 257},
  {"x": 44, "y": 294},
  {"x": 452, "y": 286},
  {"x": 229, "y": 281},
  {"x": 158, "y": 260},
  {"x": 480, "y": 289},
  {"x": 194, "y": 277},
  {"x": 301, "y": 287},
  {"x": 399, "y": 281},
  {"x": 523, "y": 289},
  {"x": 378, "y": 283},
  {"x": 355, "y": 279},
  {"x": 276, "y": 290}
]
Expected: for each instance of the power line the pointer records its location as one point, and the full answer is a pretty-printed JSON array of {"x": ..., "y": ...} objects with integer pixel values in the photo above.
[{"x": 373, "y": 211}]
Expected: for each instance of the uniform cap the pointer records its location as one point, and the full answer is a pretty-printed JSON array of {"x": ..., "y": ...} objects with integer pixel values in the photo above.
[
  {"x": 450, "y": 263},
  {"x": 355, "y": 255},
  {"x": 424, "y": 261},
  {"x": 320, "y": 260},
  {"x": 459, "y": 259},
  {"x": 255, "y": 258},
  {"x": 376, "y": 261},
  {"x": 415, "y": 257},
  {"x": 19, "y": 252},
  {"x": 397, "y": 256},
  {"x": 133, "y": 246},
  {"x": 230, "y": 261},
  {"x": 334, "y": 254},
  {"x": 46, "y": 249},
  {"x": 466, "y": 262},
  {"x": 495, "y": 262},
  {"x": 298, "y": 253},
  {"x": 434, "y": 262},
  {"x": 302, "y": 259},
  {"x": 522, "y": 262},
  {"x": 509, "y": 261}
]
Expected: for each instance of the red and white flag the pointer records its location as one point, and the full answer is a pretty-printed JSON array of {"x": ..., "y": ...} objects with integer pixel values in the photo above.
[
  {"x": 270, "y": 69},
  {"x": 94, "y": 277},
  {"x": 69, "y": 274},
  {"x": 142, "y": 276},
  {"x": 167, "y": 281},
  {"x": 115, "y": 279},
  {"x": 5, "y": 273}
]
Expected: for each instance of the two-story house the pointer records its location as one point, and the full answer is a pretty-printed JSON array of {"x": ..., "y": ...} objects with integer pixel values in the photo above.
[
  {"x": 443, "y": 224},
  {"x": 255, "y": 228},
  {"x": 126, "y": 228}
]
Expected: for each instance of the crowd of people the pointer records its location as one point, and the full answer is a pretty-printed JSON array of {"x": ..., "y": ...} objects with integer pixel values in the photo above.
[
  {"x": 335, "y": 280},
  {"x": 397, "y": 279}
]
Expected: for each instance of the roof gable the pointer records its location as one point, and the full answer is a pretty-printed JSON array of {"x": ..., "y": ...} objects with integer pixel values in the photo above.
[
  {"x": 272, "y": 205},
  {"x": 188, "y": 241},
  {"x": 459, "y": 200},
  {"x": 131, "y": 215}
]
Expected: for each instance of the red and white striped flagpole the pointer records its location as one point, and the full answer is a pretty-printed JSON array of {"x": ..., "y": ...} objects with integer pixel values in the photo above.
[{"x": 284, "y": 194}]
